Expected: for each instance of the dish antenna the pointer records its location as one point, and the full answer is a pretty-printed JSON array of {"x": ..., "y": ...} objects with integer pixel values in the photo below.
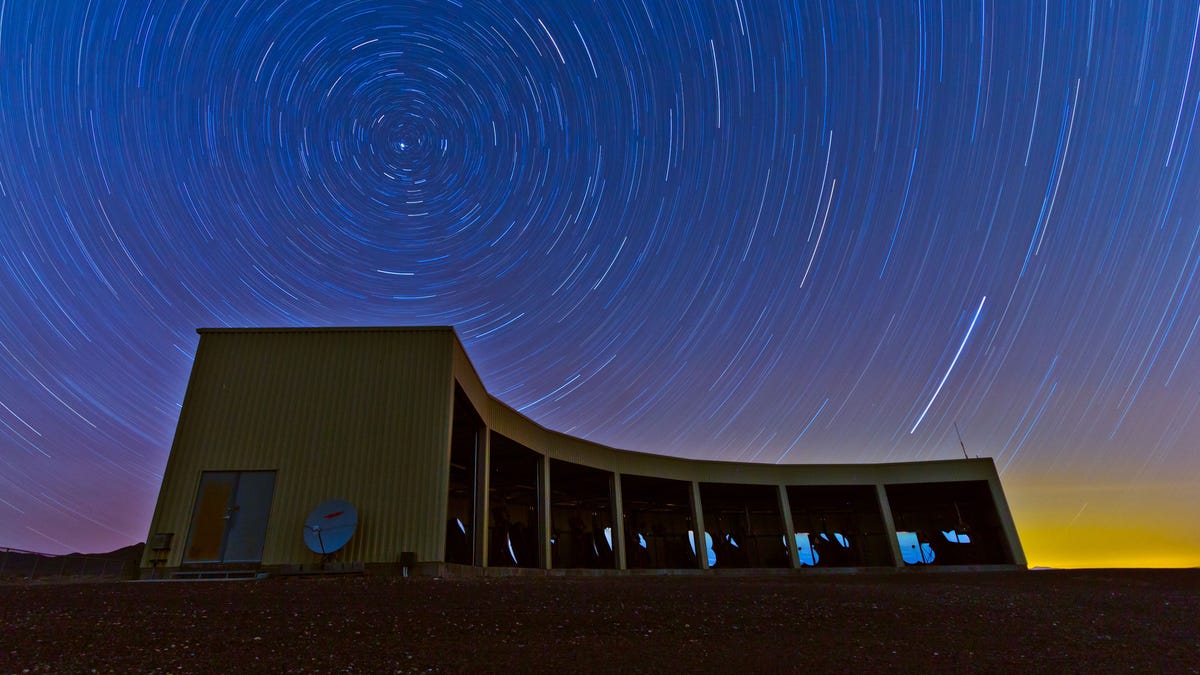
[{"x": 330, "y": 526}]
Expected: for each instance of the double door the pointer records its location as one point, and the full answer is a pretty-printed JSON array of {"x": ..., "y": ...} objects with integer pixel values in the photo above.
[{"x": 229, "y": 521}]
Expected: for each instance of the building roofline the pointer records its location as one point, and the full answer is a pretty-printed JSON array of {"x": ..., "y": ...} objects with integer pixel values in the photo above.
[
  {"x": 984, "y": 462},
  {"x": 328, "y": 329},
  {"x": 725, "y": 463},
  {"x": 730, "y": 464}
]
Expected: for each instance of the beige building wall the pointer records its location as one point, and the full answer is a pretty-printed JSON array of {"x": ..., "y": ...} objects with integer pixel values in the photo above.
[{"x": 358, "y": 414}]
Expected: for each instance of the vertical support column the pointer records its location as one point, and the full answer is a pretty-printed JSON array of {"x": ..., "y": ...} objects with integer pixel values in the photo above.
[
  {"x": 545, "y": 560},
  {"x": 698, "y": 525},
  {"x": 889, "y": 525},
  {"x": 789, "y": 529},
  {"x": 446, "y": 517},
  {"x": 483, "y": 468},
  {"x": 618, "y": 516},
  {"x": 1012, "y": 542}
]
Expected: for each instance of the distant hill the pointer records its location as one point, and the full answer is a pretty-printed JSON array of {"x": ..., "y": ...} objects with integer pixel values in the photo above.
[{"x": 121, "y": 563}]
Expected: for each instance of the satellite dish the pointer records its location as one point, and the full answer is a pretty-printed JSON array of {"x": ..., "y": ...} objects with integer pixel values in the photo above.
[{"x": 330, "y": 526}]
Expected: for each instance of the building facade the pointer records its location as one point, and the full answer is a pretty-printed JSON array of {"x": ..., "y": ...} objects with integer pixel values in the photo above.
[{"x": 448, "y": 479}]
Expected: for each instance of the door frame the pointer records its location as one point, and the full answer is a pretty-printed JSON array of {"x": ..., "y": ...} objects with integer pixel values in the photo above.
[{"x": 227, "y": 529}]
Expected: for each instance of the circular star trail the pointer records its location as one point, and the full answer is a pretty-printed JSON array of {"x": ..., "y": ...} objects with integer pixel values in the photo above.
[{"x": 772, "y": 232}]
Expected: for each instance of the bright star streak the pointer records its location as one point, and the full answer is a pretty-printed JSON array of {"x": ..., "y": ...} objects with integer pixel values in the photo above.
[{"x": 951, "y": 368}]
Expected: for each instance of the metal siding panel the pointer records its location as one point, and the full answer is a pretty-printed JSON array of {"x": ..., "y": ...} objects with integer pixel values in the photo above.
[{"x": 362, "y": 415}]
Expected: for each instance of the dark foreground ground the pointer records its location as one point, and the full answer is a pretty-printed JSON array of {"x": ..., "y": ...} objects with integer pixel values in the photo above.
[{"x": 1068, "y": 621}]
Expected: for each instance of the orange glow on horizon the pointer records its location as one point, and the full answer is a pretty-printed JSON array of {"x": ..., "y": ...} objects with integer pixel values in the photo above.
[{"x": 1106, "y": 525}]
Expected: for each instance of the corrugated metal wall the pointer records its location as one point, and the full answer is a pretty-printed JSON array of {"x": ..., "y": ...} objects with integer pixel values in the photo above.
[{"x": 357, "y": 414}]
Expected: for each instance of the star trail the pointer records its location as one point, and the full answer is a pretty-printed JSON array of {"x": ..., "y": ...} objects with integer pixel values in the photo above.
[{"x": 767, "y": 231}]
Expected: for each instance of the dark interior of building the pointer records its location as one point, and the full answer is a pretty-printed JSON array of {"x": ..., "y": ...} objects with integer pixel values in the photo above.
[
  {"x": 838, "y": 526},
  {"x": 513, "y": 502},
  {"x": 744, "y": 524},
  {"x": 658, "y": 523},
  {"x": 948, "y": 524},
  {"x": 466, "y": 441},
  {"x": 581, "y": 516}
]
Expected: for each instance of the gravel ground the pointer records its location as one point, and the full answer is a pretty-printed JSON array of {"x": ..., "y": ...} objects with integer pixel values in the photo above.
[{"x": 1052, "y": 621}]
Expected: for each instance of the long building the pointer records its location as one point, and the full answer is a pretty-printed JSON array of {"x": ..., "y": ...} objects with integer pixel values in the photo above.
[{"x": 447, "y": 479}]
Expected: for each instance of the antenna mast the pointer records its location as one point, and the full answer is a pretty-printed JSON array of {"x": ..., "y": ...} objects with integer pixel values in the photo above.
[{"x": 960, "y": 441}]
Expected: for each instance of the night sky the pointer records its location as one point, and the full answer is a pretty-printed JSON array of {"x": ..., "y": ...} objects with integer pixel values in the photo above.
[{"x": 756, "y": 231}]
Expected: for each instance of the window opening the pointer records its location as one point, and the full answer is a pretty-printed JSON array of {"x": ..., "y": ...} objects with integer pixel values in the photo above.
[
  {"x": 745, "y": 524},
  {"x": 953, "y": 523},
  {"x": 839, "y": 526},
  {"x": 658, "y": 515},
  {"x": 581, "y": 516}
]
